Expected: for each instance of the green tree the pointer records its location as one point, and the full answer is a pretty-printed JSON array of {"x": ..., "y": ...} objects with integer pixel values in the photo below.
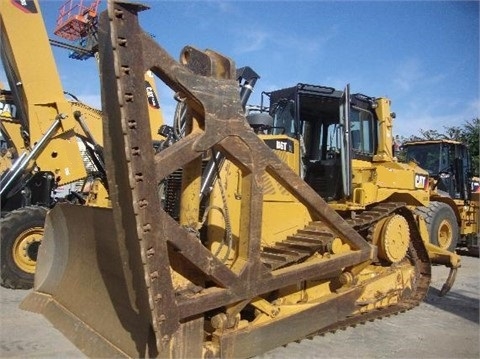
[{"x": 471, "y": 136}]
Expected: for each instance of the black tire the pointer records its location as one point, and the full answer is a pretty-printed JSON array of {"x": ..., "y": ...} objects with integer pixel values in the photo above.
[
  {"x": 21, "y": 234},
  {"x": 442, "y": 225}
]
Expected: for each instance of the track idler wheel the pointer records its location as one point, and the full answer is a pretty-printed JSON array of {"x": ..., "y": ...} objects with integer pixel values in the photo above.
[{"x": 392, "y": 238}]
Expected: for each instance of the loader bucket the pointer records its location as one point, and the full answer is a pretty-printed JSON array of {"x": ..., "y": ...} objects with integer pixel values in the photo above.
[{"x": 81, "y": 282}]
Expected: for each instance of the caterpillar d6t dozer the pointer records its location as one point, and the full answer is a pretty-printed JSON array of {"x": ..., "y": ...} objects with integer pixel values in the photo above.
[{"x": 136, "y": 281}]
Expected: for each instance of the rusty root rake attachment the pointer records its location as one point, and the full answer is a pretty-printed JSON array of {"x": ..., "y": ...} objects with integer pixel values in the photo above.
[{"x": 107, "y": 279}]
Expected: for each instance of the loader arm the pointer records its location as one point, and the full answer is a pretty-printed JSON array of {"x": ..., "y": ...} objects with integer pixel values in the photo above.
[{"x": 37, "y": 92}]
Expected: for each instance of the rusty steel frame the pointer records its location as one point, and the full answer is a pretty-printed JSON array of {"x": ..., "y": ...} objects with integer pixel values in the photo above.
[{"x": 146, "y": 234}]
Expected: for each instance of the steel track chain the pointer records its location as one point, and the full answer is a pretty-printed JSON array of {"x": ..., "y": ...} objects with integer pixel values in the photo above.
[{"x": 364, "y": 222}]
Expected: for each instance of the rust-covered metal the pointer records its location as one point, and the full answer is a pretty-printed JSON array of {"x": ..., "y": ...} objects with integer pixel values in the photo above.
[
  {"x": 137, "y": 209},
  {"x": 134, "y": 282}
]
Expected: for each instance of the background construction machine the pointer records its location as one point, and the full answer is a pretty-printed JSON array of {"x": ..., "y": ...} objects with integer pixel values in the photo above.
[
  {"x": 43, "y": 135},
  {"x": 453, "y": 213},
  {"x": 36, "y": 160},
  {"x": 136, "y": 280}
]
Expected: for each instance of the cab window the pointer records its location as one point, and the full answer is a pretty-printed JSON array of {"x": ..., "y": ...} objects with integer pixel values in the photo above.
[{"x": 362, "y": 131}]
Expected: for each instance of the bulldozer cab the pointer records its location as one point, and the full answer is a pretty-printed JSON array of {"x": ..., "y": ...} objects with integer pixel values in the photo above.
[
  {"x": 333, "y": 128},
  {"x": 448, "y": 163}
]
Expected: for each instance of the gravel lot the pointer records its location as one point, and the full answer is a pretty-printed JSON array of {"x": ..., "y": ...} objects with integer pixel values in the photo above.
[{"x": 441, "y": 327}]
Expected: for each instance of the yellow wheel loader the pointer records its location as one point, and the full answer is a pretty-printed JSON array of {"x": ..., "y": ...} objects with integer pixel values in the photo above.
[
  {"x": 43, "y": 131},
  {"x": 51, "y": 141},
  {"x": 241, "y": 266},
  {"x": 453, "y": 213}
]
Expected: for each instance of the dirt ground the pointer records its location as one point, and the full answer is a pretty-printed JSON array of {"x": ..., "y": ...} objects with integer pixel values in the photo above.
[{"x": 441, "y": 327}]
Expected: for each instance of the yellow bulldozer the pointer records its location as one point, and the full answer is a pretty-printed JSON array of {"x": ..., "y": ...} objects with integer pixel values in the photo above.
[{"x": 216, "y": 245}]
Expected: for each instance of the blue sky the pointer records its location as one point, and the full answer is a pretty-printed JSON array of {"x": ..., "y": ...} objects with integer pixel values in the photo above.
[{"x": 423, "y": 55}]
